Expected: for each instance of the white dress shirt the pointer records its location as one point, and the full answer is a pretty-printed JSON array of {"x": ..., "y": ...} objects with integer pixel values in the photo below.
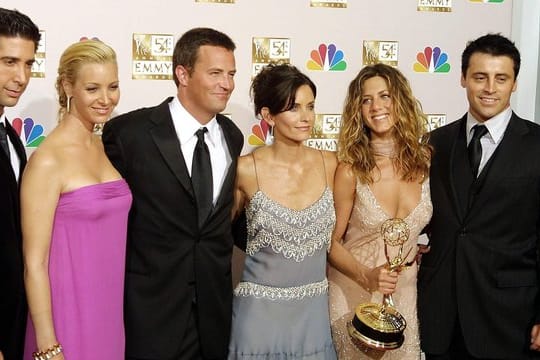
[
  {"x": 185, "y": 126},
  {"x": 496, "y": 127},
  {"x": 13, "y": 157}
]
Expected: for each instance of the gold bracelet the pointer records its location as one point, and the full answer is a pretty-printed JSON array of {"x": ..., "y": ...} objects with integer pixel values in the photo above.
[{"x": 49, "y": 353}]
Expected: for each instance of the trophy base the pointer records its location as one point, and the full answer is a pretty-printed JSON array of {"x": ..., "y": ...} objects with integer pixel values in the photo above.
[{"x": 377, "y": 328}]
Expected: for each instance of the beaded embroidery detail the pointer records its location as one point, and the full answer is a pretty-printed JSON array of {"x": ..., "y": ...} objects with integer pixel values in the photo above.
[
  {"x": 293, "y": 233},
  {"x": 246, "y": 288}
]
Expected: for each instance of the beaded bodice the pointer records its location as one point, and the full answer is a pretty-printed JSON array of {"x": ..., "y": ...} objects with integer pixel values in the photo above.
[
  {"x": 286, "y": 248},
  {"x": 294, "y": 234}
]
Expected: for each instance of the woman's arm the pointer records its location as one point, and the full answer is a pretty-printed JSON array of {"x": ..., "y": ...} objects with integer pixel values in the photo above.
[
  {"x": 239, "y": 221},
  {"x": 40, "y": 190},
  {"x": 378, "y": 278}
]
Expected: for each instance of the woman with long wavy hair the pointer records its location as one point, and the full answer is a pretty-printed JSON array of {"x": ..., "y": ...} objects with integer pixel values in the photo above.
[{"x": 383, "y": 174}]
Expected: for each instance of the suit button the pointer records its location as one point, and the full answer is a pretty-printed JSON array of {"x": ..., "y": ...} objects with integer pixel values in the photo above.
[{"x": 463, "y": 232}]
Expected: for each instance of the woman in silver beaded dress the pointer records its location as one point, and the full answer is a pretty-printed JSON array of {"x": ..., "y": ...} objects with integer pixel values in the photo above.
[
  {"x": 384, "y": 163},
  {"x": 280, "y": 307}
]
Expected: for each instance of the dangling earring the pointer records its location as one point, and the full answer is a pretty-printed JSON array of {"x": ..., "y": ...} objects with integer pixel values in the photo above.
[
  {"x": 68, "y": 104},
  {"x": 270, "y": 136}
]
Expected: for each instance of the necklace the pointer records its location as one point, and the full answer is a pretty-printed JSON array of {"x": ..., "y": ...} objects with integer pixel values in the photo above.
[{"x": 384, "y": 148}]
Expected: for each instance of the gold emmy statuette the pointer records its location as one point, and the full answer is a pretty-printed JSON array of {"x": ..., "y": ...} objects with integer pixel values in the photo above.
[{"x": 381, "y": 326}]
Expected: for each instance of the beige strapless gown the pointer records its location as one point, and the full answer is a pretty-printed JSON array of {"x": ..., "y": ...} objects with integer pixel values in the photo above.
[{"x": 364, "y": 241}]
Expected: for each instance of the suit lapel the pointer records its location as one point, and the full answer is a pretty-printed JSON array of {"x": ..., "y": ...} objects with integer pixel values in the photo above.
[
  {"x": 20, "y": 152},
  {"x": 18, "y": 145},
  {"x": 231, "y": 171},
  {"x": 460, "y": 171},
  {"x": 166, "y": 139},
  {"x": 498, "y": 164}
]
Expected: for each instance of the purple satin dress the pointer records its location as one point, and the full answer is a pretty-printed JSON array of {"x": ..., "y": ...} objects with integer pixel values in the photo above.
[{"x": 86, "y": 272}]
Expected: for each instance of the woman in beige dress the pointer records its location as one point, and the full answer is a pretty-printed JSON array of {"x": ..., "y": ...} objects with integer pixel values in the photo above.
[{"x": 384, "y": 162}]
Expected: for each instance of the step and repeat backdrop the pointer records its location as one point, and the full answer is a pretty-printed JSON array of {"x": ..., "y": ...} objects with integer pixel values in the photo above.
[{"x": 329, "y": 40}]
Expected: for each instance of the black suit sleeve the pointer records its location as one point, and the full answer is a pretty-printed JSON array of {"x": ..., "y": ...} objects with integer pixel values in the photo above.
[
  {"x": 114, "y": 149},
  {"x": 239, "y": 231}
]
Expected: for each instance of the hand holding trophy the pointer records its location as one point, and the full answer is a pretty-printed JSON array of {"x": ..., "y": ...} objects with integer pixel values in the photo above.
[{"x": 381, "y": 326}]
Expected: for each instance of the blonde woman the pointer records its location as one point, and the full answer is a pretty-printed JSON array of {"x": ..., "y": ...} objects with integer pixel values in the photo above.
[
  {"x": 74, "y": 220},
  {"x": 384, "y": 161}
]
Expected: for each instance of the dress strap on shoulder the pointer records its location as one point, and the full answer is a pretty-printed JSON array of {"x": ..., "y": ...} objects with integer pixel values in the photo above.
[{"x": 255, "y": 168}]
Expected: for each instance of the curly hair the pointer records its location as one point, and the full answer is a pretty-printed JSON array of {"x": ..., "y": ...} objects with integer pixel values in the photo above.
[{"x": 414, "y": 152}]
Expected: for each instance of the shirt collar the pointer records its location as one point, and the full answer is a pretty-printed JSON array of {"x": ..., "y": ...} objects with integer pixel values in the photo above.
[
  {"x": 496, "y": 125},
  {"x": 3, "y": 119},
  {"x": 189, "y": 125}
]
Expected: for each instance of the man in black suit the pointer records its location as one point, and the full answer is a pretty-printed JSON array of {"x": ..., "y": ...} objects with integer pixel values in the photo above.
[
  {"x": 19, "y": 38},
  {"x": 178, "y": 273},
  {"x": 478, "y": 286}
]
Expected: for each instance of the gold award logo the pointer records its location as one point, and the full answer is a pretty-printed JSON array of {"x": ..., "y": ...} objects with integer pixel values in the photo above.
[
  {"x": 38, "y": 67},
  {"x": 435, "y": 120},
  {"x": 435, "y": 5},
  {"x": 324, "y": 135},
  {"x": 329, "y": 3},
  {"x": 152, "y": 56},
  {"x": 377, "y": 51},
  {"x": 265, "y": 50}
]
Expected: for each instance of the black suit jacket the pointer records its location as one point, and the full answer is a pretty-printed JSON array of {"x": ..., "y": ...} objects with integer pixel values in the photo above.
[
  {"x": 166, "y": 249},
  {"x": 483, "y": 265},
  {"x": 12, "y": 298}
]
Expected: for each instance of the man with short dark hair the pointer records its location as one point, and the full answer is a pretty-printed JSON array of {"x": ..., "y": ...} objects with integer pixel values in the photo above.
[
  {"x": 179, "y": 159},
  {"x": 19, "y": 38},
  {"x": 479, "y": 285}
]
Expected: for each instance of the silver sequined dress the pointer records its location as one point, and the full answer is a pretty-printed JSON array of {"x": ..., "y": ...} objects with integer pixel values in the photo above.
[
  {"x": 280, "y": 307},
  {"x": 364, "y": 241}
]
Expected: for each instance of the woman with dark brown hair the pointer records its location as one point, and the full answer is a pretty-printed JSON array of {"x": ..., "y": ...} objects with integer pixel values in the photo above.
[{"x": 280, "y": 307}]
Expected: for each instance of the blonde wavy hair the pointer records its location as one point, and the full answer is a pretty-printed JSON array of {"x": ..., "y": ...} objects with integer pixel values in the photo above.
[
  {"x": 71, "y": 61},
  {"x": 414, "y": 153}
]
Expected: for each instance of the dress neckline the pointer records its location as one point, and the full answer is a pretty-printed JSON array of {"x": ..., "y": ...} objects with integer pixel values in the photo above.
[
  {"x": 259, "y": 192},
  {"x": 86, "y": 187},
  {"x": 385, "y": 213}
]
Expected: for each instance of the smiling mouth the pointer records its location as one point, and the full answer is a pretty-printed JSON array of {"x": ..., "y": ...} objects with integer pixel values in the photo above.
[
  {"x": 102, "y": 111},
  {"x": 380, "y": 117},
  {"x": 14, "y": 93},
  {"x": 488, "y": 100}
]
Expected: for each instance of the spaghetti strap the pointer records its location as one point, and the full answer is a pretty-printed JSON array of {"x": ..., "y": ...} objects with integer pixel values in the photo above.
[
  {"x": 324, "y": 168},
  {"x": 256, "y": 175}
]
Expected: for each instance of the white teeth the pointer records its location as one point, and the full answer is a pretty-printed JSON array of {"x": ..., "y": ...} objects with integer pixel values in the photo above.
[
  {"x": 488, "y": 100},
  {"x": 380, "y": 117}
]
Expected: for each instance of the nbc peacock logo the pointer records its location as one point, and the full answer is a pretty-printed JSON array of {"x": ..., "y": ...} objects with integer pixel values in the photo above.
[
  {"x": 30, "y": 133},
  {"x": 259, "y": 134},
  {"x": 432, "y": 60},
  {"x": 487, "y": 1},
  {"x": 327, "y": 58}
]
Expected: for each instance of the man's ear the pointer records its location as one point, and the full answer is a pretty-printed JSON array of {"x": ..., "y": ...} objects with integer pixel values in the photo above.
[{"x": 182, "y": 74}]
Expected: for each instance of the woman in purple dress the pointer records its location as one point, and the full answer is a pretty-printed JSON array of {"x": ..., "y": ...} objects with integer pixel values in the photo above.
[{"x": 74, "y": 218}]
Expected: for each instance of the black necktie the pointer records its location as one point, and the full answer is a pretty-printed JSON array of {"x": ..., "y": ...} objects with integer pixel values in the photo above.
[
  {"x": 201, "y": 176},
  {"x": 475, "y": 148},
  {"x": 3, "y": 139}
]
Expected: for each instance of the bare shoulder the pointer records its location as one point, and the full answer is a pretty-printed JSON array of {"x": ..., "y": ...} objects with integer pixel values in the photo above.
[
  {"x": 246, "y": 176},
  {"x": 330, "y": 159},
  {"x": 345, "y": 171},
  {"x": 245, "y": 164},
  {"x": 42, "y": 172},
  {"x": 44, "y": 159}
]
